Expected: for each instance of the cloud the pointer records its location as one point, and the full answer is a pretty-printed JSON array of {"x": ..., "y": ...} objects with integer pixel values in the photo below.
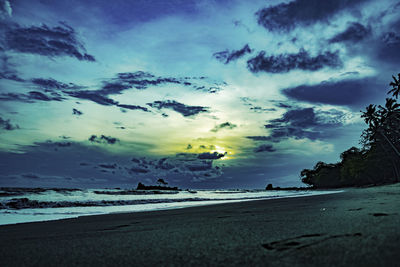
[
  {"x": 92, "y": 96},
  {"x": 354, "y": 33},
  {"x": 51, "y": 84},
  {"x": 46, "y": 41},
  {"x": 259, "y": 138},
  {"x": 302, "y": 123},
  {"x": 186, "y": 111},
  {"x": 108, "y": 166},
  {"x": 103, "y": 139},
  {"x": 350, "y": 92},
  {"x": 287, "y": 16},
  {"x": 209, "y": 155},
  {"x": 225, "y": 125},
  {"x": 389, "y": 47},
  {"x": 228, "y": 56},
  {"x": 6, "y": 125},
  {"x": 287, "y": 62},
  {"x": 141, "y": 80},
  {"x": 191, "y": 165},
  {"x": 76, "y": 112},
  {"x": 31, "y": 97},
  {"x": 5, "y": 9},
  {"x": 133, "y": 107},
  {"x": 40, "y": 96},
  {"x": 30, "y": 176},
  {"x": 98, "y": 98},
  {"x": 264, "y": 148}
]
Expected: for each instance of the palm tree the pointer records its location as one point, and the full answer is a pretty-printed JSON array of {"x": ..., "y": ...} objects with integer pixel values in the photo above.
[
  {"x": 371, "y": 117},
  {"x": 396, "y": 86}
]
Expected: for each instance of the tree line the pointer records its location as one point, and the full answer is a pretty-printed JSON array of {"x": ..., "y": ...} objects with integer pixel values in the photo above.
[{"x": 378, "y": 161}]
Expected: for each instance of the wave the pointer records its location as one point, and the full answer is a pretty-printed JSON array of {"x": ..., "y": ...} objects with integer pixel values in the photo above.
[
  {"x": 19, "y": 191},
  {"x": 25, "y": 203}
]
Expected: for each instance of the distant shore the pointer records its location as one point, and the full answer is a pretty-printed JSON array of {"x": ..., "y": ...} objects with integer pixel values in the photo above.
[{"x": 359, "y": 227}]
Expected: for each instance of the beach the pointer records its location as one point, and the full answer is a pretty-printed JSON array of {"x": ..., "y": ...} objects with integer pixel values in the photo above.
[{"x": 358, "y": 227}]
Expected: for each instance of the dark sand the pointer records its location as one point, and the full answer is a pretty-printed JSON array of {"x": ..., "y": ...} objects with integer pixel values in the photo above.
[{"x": 360, "y": 227}]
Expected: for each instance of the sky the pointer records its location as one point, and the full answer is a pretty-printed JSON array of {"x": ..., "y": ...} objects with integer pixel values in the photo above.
[{"x": 204, "y": 94}]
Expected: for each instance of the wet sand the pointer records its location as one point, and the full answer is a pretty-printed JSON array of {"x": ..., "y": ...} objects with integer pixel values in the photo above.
[{"x": 359, "y": 227}]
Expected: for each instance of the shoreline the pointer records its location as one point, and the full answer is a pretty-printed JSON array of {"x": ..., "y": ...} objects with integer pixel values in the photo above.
[
  {"x": 167, "y": 206},
  {"x": 360, "y": 226}
]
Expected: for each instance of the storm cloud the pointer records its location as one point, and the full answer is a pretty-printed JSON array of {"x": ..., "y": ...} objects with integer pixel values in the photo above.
[{"x": 286, "y": 62}]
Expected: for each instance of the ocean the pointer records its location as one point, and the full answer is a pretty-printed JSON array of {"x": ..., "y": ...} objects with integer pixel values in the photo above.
[{"x": 20, "y": 205}]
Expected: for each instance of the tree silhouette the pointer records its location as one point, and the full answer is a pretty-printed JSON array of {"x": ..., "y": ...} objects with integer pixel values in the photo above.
[
  {"x": 379, "y": 159},
  {"x": 161, "y": 182},
  {"x": 396, "y": 86}
]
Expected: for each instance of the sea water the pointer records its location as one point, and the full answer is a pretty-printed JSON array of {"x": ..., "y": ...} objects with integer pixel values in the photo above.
[{"x": 19, "y": 205}]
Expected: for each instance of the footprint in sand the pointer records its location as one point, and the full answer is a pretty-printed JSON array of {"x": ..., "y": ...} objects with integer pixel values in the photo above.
[{"x": 303, "y": 241}]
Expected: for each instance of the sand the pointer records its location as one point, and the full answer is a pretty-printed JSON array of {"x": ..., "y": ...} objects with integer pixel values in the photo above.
[{"x": 359, "y": 227}]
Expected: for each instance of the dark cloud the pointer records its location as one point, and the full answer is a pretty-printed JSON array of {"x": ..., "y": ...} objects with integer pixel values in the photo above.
[
  {"x": 40, "y": 96},
  {"x": 355, "y": 32},
  {"x": 304, "y": 123},
  {"x": 209, "y": 155},
  {"x": 98, "y": 98},
  {"x": 388, "y": 49},
  {"x": 30, "y": 176},
  {"x": 133, "y": 107},
  {"x": 92, "y": 96},
  {"x": 8, "y": 75},
  {"x": 43, "y": 40},
  {"x": 51, "y": 84},
  {"x": 31, "y": 97},
  {"x": 63, "y": 144},
  {"x": 225, "y": 125},
  {"x": 286, "y": 16},
  {"x": 298, "y": 117},
  {"x": 287, "y": 62},
  {"x": 258, "y": 109},
  {"x": 227, "y": 56},
  {"x": 141, "y": 80},
  {"x": 351, "y": 92},
  {"x": 108, "y": 166},
  {"x": 259, "y": 138},
  {"x": 76, "y": 112},
  {"x": 136, "y": 170},
  {"x": 183, "y": 109},
  {"x": 264, "y": 148},
  {"x": 199, "y": 167},
  {"x": 103, "y": 139},
  {"x": 6, "y": 125}
]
